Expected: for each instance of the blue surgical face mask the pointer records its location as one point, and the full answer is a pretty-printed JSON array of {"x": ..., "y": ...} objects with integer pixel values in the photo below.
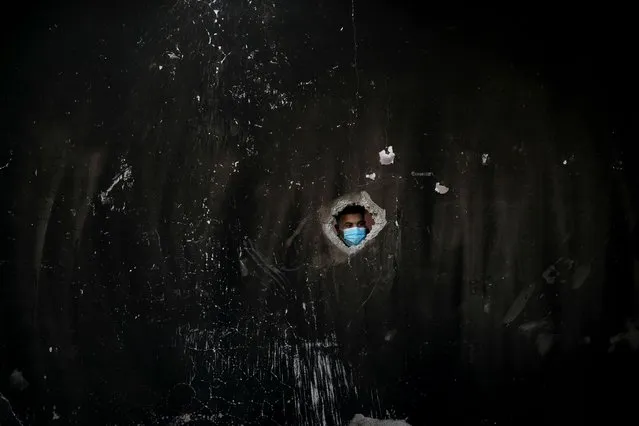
[{"x": 354, "y": 236}]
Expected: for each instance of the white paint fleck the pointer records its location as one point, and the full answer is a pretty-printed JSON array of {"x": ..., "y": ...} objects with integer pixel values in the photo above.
[
  {"x": 123, "y": 176},
  {"x": 50, "y": 349},
  {"x": 390, "y": 334},
  {"x": 386, "y": 156},
  {"x": 209, "y": 34},
  {"x": 570, "y": 159},
  {"x": 371, "y": 176},
  {"x": 485, "y": 158},
  {"x": 441, "y": 189}
]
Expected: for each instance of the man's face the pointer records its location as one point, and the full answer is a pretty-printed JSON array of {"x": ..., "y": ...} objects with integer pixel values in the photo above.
[
  {"x": 352, "y": 228},
  {"x": 351, "y": 220}
]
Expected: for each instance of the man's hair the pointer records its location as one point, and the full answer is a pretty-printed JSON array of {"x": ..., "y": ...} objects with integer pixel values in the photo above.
[{"x": 351, "y": 209}]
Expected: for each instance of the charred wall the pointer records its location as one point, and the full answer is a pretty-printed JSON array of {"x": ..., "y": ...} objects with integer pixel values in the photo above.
[{"x": 163, "y": 259}]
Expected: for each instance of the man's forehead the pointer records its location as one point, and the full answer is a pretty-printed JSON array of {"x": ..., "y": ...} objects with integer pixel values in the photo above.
[{"x": 352, "y": 217}]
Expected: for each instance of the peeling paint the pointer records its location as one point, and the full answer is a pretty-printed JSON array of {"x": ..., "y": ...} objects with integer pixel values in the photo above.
[
  {"x": 441, "y": 189},
  {"x": 386, "y": 156}
]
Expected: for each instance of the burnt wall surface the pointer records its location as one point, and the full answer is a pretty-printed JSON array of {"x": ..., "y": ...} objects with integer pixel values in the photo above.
[{"x": 166, "y": 170}]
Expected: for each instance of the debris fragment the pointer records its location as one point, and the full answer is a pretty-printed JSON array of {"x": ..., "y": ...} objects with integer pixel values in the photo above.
[
  {"x": 371, "y": 176},
  {"x": 386, "y": 156},
  {"x": 485, "y": 158}
]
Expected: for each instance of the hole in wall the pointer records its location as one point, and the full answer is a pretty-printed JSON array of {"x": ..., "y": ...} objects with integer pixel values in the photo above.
[{"x": 352, "y": 221}]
